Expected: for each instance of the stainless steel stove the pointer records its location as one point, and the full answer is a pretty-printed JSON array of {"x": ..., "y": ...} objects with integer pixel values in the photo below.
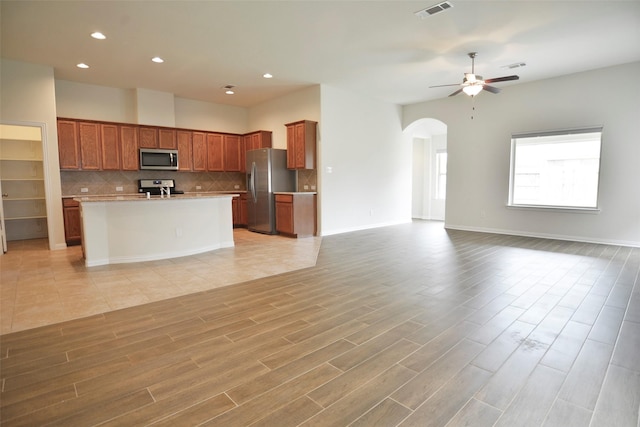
[{"x": 155, "y": 186}]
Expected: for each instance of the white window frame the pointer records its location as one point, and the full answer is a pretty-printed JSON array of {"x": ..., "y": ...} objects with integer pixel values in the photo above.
[{"x": 553, "y": 136}]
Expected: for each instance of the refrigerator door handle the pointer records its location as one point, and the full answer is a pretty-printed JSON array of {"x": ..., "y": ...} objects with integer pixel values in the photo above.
[{"x": 252, "y": 183}]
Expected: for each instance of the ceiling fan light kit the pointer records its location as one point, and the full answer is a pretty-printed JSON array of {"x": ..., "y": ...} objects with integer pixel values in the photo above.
[{"x": 473, "y": 84}]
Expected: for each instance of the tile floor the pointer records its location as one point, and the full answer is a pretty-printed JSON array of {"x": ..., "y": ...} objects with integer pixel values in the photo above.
[{"x": 41, "y": 287}]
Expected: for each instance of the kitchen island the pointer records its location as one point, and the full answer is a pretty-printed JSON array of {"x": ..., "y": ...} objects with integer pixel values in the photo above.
[{"x": 122, "y": 229}]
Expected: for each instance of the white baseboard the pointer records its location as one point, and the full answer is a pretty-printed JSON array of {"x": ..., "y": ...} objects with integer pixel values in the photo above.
[{"x": 545, "y": 235}]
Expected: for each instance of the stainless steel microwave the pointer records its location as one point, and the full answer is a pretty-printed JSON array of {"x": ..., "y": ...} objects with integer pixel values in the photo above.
[{"x": 155, "y": 159}]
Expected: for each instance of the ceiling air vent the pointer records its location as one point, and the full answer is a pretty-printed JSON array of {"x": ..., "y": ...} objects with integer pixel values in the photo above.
[
  {"x": 514, "y": 65},
  {"x": 432, "y": 10}
]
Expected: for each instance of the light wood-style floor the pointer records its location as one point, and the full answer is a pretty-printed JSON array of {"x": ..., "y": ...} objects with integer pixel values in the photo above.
[{"x": 407, "y": 325}]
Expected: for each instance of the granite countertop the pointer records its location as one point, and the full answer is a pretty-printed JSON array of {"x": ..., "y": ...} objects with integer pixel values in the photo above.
[
  {"x": 295, "y": 192},
  {"x": 142, "y": 197},
  {"x": 86, "y": 196}
]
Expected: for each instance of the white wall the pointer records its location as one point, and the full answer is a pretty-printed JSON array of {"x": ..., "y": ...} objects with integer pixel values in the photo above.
[
  {"x": 27, "y": 97},
  {"x": 272, "y": 115},
  {"x": 192, "y": 114},
  {"x": 420, "y": 177},
  {"x": 92, "y": 102},
  {"x": 370, "y": 159},
  {"x": 479, "y": 150}
]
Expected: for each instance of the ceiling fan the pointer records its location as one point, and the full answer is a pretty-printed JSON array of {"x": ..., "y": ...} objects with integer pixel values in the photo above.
[{"x": 473, "y": 84}]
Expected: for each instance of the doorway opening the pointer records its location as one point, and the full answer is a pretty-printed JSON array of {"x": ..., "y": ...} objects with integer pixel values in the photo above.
[
  {"x": 23, "y": 210},
  {"x": 429, "y": 168}
]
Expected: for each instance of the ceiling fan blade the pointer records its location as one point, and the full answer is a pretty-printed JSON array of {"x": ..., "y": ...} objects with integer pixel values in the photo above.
[
  {"x": 454, "y": 84},
  {"x": 456, "y": 92},
  {"x": 502, "y": 79},
  {"x": 490, "y": 89}
]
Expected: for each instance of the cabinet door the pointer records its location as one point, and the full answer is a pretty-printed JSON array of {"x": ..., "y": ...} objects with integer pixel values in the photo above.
[
  {"x": 291, "y": 147},
  {"x": 246, "y": 146},
  {"x": 72, "y": 227},
  {"x": 89, "y": 145},
  {"x": 167, "y": 139},
  {"x": 300, "y": 149},
  {"x": 110, "y": 147},
  {"x": 129, "y": 148},
  {"x": 184, "y": 150},
  {"x": 199, "y": 146},
  {"x": 148, "y": 137},
  {"x": 68, "y": 145},
  {"x": 232, "y": 153},
  {"x": 284, "y": 217},
  {"x": 215, "y": 152},
  {"x": 242, "y": 207},
  {"x": 262, "y": 139}
]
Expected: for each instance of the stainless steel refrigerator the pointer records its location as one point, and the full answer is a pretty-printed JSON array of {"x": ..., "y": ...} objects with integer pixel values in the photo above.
[{"x": 266, "y": 173}]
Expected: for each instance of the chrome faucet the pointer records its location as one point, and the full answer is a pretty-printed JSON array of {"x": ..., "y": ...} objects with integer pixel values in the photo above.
[{"x": 165, "y": 190}]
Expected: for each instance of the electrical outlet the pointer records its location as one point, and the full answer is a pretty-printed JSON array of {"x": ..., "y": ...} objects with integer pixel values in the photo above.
[
  {"x": 313, "y": 187},
  {"x": 84, "y": 190},
  {"x": 178, "y": 232},
  {"x": 198, "y": 187},
  {"x": 118, "y": 188},
  {"x": 236, "y": 186},
  {"x": 306, "y": 187}
]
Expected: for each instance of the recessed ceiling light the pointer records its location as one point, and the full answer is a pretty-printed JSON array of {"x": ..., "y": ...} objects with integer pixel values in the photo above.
[
  {"x": 98, "y": 35},
  {"x": 82, "y": 65},
  {"x": 157, "y": 60},
  {"x": 267, "y": 75},
  {"x": 228, "y": 89}
]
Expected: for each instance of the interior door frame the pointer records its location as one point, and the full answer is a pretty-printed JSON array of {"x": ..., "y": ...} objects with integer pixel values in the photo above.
[{"x": 45, "y": 169}]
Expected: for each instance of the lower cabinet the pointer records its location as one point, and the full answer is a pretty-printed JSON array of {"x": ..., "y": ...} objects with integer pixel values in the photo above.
[
  {"x": 239, "y": 210},
  {"x": 72, "y": 222},
  {"x": 296, "y": 214}
]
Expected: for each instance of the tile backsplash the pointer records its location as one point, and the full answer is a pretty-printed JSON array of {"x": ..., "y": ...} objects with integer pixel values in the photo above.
[{"x": 105, "y": 182}]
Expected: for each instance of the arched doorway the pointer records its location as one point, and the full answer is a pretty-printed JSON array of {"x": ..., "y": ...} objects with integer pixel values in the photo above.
[{"x": 429, "y": 168}]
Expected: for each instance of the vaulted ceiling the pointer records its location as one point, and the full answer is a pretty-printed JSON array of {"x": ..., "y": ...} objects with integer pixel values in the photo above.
[{"x": 379, "y": 48}]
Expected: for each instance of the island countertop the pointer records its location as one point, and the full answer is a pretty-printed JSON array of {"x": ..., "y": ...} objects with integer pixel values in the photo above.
[{"x": 141, "y": 197}]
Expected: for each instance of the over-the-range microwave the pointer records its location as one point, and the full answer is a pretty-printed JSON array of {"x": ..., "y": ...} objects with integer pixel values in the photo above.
[{"x": 156, "y": 159}]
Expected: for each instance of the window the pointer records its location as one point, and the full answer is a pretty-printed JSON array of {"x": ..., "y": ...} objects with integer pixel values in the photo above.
[
  {"x": 557, "y": 169},
  {"x": 441, "y": 175}
]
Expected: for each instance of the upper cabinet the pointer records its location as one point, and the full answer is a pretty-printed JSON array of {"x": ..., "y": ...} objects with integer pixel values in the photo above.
[
  {"x": 90, "y": 149},
  {"x": 129, "y": 147},
  {"x": 185, "y": 144},
  {"x": 148, "y": 137},
  {"x": 167, "y": 139},
  {"x": 68, "y": 153},
  {"x": 199, "y": 148},
  {"x": 215, "y": 152},
  {"x": 301, "y": 144},
  {"x": 254, "y": 141},
  {"x": 232, "y": 147},
  {"x": 90, "y": 145},
  {"x": 110, "y": 147}
]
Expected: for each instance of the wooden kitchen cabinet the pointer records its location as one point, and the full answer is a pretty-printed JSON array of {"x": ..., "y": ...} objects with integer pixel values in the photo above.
[
  {"x": 72, "y": 221},
  {"x": 199, "y": 148},
  {"x": 167, "y": 139},
  {"x": 129, "y": 148},
  {"x": 110, "y": 147},
  {"x": 301, "y": 144},
  {"x": 296, "y": 214},
  {"x": 254, "y": 141},
  {"x": 68, "y": 152},
  {"x": 215, "y": 152},
  {"x": 232, "y": 146},
  {"x": 185, "y": 141},
  {"x": 90, "y": 146},
  {"x": 148, "y": 137},
  {"x": 239, "y": 210}
]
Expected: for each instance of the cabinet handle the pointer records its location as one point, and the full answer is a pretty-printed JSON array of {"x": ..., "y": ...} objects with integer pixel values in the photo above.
[{"x": 5, "y": 195}]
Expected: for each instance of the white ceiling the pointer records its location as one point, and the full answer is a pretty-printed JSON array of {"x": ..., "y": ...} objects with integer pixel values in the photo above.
[{"x": 379, "y": 48}]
